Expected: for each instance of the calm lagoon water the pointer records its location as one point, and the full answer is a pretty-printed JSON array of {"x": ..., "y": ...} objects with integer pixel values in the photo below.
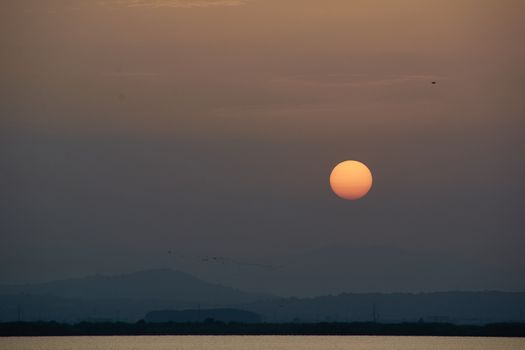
[{"x": 260, "y": 342}]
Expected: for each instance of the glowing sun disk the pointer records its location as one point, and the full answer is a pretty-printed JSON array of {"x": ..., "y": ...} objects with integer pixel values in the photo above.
[{"x": 351, "y": 180}]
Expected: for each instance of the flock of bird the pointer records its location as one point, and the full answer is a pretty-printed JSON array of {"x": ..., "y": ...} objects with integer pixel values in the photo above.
[{"x": 222, "y": 260}]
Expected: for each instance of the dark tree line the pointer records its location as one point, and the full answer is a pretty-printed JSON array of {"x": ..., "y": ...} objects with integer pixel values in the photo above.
[{"x": 211, "y": 327}]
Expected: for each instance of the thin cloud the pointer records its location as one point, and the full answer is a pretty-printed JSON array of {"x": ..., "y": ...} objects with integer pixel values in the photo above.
[
  {"x": 175, "y": 3},
  {"x": 131, "y": 75},
  {"x": 80, "y": 5},
  {"x": 358, "y": 80}
]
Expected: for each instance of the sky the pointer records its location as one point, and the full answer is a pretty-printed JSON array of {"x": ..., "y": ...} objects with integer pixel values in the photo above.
[{"x": 156, "y": 133}]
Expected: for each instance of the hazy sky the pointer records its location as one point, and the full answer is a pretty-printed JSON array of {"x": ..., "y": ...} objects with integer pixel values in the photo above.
[{"x": 208, "y": 127}]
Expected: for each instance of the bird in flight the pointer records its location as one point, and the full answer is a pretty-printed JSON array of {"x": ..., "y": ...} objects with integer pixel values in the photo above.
[{"x": 224, "y": 261}]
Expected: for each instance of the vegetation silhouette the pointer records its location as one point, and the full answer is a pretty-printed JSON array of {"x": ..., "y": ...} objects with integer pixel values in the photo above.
[
  {"x": 212, "y": 327},
  {"x": 200, "y": 315}
]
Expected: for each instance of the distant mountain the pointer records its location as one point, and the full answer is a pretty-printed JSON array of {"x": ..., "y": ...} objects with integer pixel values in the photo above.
[
  {"x": 130, "y": 297},
  {"x": 453, "y": 307},
  {"x": 160, "y": 284},
  {"x": 335, "y": 269},
  {"x": 30, "y": 307},
  {"x": 126, "y": 297},
  {"x": 203, "y": 315}
]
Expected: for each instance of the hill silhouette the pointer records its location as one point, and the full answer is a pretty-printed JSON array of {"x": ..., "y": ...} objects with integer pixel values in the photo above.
[
  {"x": 160, "y": 284},
  {"x": 455, "y": 307},
  {"x": 129, "y": 297},
  {"x": 126, "y": 297},
  {"x": 203, "y": 315}
]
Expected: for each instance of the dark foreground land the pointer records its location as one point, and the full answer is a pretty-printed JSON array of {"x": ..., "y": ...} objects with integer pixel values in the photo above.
[{"x": 220, "y": 328}]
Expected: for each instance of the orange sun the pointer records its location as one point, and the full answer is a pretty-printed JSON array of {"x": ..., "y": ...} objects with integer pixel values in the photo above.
[{"x": 351, "y": 180}]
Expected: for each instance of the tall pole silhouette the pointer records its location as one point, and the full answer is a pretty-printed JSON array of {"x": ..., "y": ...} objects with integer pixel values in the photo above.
[{"x": 374, "y": 313}]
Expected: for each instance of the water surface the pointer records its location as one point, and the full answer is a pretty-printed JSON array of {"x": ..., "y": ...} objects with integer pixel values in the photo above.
[{"x": 260, "y": 343}]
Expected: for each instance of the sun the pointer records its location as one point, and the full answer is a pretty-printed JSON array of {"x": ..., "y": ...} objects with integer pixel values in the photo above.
[{"x": 351, "y": 180}]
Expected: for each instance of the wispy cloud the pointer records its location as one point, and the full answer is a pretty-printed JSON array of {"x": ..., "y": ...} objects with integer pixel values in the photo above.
[
  {"x": 175, "y": 3},
  {"x": 80, "y": 5},
  {"x": 130, "y": 75},
  {"x": 358, "y": 80}
]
